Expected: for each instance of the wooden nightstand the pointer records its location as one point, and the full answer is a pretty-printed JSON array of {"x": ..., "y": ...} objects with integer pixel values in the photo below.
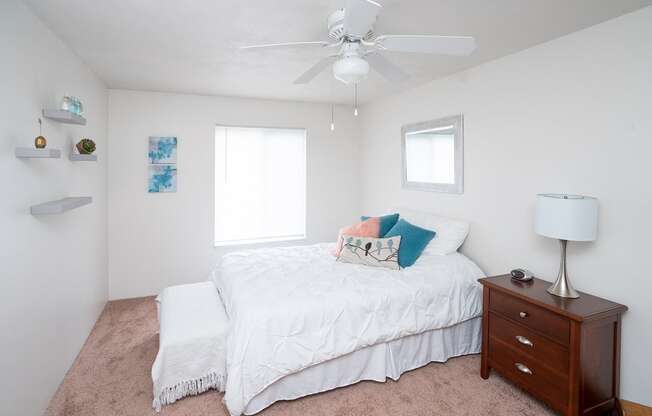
[{"x": 566, "y": 352}]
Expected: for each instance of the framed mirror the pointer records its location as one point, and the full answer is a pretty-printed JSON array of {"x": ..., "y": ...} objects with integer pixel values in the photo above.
[{"x": 433, "y": 155}]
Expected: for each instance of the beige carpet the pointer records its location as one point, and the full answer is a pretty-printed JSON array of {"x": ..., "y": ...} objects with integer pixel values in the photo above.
[{"x": 111, "y": 377}]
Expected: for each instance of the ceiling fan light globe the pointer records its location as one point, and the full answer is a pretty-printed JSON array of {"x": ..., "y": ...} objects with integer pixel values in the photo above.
[{"x": 351, "y": 69}]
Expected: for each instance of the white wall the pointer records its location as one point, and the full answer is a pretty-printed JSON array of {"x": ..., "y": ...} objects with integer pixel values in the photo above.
[
  {"x": 571, "y": 115},
  {"x": 53, "y": 281},
  {"x": 157, "y": 240},
  {"x": 566, "y": 116}
]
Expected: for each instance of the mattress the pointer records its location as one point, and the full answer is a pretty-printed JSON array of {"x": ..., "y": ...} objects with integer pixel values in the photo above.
[{"x": 292, "y": 308}]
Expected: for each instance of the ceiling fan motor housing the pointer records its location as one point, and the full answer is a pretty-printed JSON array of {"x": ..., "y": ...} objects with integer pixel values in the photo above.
[{"x": 336, "y": 26}]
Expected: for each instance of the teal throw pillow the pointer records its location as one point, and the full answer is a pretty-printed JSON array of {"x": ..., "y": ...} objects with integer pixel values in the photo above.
[{"x": 413, "y": 241}]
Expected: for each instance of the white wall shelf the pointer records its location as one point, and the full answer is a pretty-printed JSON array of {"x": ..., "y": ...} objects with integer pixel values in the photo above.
[
  {"x": 31, "y": 152},
  {"x": 76, "y": 157},
  {"x": 64, "y": 116},
  {"x": 60, "y": 206}
]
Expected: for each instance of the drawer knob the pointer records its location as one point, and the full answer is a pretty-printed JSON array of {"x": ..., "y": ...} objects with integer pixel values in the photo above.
[
  {"x": 524, "y": 341},
  {"x": 523, "y": 368},
  {"x": 523, "y": 314}
]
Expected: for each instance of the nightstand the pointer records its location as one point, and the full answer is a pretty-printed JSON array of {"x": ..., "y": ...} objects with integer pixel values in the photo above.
[{"x": 565, "y": 352}]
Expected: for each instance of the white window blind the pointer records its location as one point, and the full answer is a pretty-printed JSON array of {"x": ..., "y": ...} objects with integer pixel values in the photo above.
[{"x": 260, "y": 184}]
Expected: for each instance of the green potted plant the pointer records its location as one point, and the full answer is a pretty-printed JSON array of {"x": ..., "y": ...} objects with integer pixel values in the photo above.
[{"x": 86, "y": 146}]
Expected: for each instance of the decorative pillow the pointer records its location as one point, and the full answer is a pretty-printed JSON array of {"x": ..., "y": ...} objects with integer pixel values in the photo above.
[
  {"x": 413, "y": 240},
  {"x": 377, "y": 252},
  {"x": 368, "y": 228},
  {"x": 451, "y": 233},
  {"x": 386, "y": 222}
]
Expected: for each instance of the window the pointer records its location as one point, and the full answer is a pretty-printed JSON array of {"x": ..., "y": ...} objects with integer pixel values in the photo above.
[
  {"x": 432, "y": 155},
  {"x": 260, "y": 185}
]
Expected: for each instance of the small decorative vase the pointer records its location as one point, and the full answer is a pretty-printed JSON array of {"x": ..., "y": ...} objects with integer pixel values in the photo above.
[
  {"x": 76, "y": 106},
  {"x": 40, "y": 142},
  {"x": 66, "y": 104}
]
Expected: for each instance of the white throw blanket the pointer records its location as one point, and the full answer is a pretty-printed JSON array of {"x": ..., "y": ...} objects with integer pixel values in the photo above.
[
  {"x": 191, "y": 357},
  {"x": 295, "y": 307}
]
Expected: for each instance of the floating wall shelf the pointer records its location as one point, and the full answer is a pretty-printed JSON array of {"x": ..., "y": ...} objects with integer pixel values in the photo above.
[
  {"x": 76, "y": 157},
  {"x": 60, "y": 206},
  {"x": 64, "y": 116},
  {"x": 30, "y": 152}
]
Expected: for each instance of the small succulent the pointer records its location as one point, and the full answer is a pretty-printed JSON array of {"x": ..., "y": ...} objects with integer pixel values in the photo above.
[{"x": 86, "y": 146}]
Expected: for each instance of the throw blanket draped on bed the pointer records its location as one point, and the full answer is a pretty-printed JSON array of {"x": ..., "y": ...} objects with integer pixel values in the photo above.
[{"x": 294, "y": 307}]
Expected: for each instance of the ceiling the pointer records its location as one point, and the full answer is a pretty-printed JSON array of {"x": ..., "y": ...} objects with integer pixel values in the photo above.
[{"x": 192, "y": 46}]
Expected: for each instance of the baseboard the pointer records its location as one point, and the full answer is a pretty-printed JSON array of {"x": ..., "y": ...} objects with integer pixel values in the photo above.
[{"x": 635, "y": 409}]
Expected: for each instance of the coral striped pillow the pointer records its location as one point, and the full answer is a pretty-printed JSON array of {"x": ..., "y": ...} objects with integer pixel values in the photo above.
[{"x": 368, "y": 228}]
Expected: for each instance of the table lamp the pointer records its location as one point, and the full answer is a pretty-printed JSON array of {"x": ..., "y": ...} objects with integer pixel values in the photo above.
[{"x": 566, "y": 218}]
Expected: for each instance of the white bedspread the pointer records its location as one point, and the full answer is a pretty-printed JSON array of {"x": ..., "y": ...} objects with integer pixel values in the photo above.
[{"x": 294, "y": 307}]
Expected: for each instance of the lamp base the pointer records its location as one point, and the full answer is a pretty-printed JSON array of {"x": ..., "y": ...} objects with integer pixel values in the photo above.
[{"x": 562, "y": 286}]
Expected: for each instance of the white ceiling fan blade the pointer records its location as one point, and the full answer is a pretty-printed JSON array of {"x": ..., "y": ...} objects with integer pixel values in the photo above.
[
  {"x": 315, "y": 70},
  {"x": 443, "y": 45},
  {"x": 384, "y": 67},
  {"x": 359, "y": 17},
  {"x": 286, "y": 45}
]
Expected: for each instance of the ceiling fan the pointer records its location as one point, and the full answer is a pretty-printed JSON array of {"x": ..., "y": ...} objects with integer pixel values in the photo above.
[{"x": 357, "y": 48}]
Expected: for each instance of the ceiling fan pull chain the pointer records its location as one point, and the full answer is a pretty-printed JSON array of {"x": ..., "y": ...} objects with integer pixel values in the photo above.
[{"x": 355, "y": 99}]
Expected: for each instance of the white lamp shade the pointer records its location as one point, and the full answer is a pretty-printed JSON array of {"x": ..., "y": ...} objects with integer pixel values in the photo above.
[{"x": 567, "y": 217}]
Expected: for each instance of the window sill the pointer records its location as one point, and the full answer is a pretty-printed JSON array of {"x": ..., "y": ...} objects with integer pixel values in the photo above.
[{"x": 258, "y": 241}]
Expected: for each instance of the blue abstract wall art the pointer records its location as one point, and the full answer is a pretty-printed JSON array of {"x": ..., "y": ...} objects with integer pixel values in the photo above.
[
  {"x": 162, "y": 178},
  {"x": 162, "y": 150}
]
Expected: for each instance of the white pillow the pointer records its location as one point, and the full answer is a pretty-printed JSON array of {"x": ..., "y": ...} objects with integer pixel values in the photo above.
[{"x": 450, "y": 235}]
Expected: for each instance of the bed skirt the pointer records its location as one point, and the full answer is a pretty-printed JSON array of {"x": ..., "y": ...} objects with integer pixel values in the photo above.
[{"x": 377, "y": 363}]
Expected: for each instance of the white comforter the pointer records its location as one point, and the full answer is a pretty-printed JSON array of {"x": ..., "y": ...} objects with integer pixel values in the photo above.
[{"x": 294, "y": 307}]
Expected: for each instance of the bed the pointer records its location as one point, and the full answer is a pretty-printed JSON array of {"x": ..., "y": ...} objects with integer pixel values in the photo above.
[{"x": 302, "y": 322}]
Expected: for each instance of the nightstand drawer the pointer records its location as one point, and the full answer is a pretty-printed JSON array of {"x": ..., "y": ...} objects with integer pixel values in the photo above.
[
  {"x": 531, "y": 316},
  {"x": 538, "y": 380},
  {"x": 530, "y": 343}
]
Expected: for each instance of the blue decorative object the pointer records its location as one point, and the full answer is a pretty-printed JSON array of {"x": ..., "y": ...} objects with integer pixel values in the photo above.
[
  {"x": 162, "y": 150},
  {"x": 73, "y": 105},
  {"x": 386, "y": 222},
  {"x": 413, "y": 241},
  {"x": 162, "y": 178}
]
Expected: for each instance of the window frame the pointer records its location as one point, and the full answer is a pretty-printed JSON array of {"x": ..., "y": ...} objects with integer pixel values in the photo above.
[
  {"x": 273, "y": 239},
  {"x": 457, "y": 123}
]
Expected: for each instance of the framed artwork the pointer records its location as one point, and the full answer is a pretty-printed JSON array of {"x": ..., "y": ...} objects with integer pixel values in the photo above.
[
  {"x": 162, "y": 168},
  {"x": 162, "y": 178},
  {"x": 162, "y": 150}
]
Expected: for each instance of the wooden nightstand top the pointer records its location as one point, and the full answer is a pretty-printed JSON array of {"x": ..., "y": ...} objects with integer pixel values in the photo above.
[{"x": 584, "y": 308}]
